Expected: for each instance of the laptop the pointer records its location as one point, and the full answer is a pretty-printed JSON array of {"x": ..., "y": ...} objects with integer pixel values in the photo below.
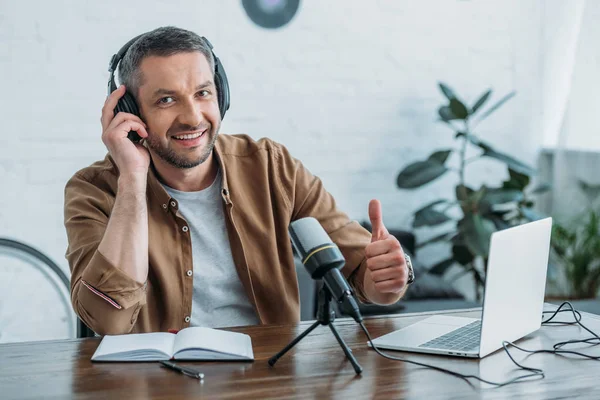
[{"x": 512, "y": 305}]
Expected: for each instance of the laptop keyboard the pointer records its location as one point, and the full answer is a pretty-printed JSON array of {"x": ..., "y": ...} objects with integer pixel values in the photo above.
[{"x": 464, "y": 338}]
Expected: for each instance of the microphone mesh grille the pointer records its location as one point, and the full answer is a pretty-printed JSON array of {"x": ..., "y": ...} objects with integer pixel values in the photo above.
[{"x": 307, "y": 233}]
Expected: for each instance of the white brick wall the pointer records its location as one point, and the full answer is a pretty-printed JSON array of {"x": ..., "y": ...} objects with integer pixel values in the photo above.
[{"x": 348, "y": 86}]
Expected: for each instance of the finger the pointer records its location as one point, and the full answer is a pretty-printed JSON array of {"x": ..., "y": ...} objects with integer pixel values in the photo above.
[
  {"x": 123, "y": 129},
  {"x": 121, "y": 117},
  {"x": 108, "y": 110},
  {"x": 385, "y": 261},
  {"x": 377, "y": 228},
  {"x": 390, "y": 286},
  {"x": 385, "y": 274},
  {"x": 383, "y": 247}
]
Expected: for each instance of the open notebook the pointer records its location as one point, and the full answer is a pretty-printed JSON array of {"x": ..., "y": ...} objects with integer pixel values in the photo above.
[{"x": 189, "y": 344}]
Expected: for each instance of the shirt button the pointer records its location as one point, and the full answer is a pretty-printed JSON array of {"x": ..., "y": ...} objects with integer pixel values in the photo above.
[
  {"x": 173, "y": 204},
  {"x": 185, "y": 228},
  {"x": 187, "y": 319},
  {"x": 189, "y": 273}
]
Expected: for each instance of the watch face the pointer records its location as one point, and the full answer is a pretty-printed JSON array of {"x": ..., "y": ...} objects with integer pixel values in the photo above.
[{"x": 271, "y": 14}]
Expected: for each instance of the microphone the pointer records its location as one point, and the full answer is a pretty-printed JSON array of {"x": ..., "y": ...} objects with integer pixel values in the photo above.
[{"x": 323, "y": 260}]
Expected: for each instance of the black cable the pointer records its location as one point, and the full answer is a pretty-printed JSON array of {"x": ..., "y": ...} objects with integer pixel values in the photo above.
[
  {"x": 505, "y": 344},
  {"x": 550, "y": 351},
  {"x": 535, "y": 372},
  {"x": 577, "y": 316}
]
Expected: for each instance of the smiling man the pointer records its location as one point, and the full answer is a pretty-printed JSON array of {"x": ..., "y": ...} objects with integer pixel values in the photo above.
[{"x": 188, "y": 227}]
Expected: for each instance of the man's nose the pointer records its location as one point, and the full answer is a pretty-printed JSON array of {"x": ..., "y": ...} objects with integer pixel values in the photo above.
[{"x": 191, "y": 114}]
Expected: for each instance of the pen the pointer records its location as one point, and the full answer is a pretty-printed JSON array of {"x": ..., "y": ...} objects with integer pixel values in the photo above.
[{"x": 184, "y": 370}]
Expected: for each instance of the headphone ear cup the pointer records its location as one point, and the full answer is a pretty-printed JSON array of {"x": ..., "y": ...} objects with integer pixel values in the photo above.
[
  {"x": 219, "y": 86},
  {"x": 222, "y": 87},
  {"x": 127, "y": 104}
]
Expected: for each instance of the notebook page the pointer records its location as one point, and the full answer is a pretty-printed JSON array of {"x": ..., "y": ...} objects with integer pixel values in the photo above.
[
  {"x": 131, "y": 346},
  {"x": 216, "y": 340}
]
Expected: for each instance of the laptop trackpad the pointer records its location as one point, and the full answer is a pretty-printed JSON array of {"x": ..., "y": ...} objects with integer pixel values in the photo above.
[{"x": 423, "y": 331}]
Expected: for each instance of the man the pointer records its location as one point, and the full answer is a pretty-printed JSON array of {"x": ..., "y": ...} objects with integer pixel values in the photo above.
[{"x": 189, "y": 227}]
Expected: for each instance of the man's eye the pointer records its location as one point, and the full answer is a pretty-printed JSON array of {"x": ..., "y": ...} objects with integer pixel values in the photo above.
[
  {"x": 165, "y": 100},
  {"x": 204, "y": 93}
]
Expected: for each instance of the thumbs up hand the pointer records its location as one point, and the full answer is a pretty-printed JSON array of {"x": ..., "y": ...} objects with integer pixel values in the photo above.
[{"x": 387, "y": 273}]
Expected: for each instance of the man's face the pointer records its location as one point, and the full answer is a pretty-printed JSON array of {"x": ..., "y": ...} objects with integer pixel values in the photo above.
[{"x": 178, "y": 102}]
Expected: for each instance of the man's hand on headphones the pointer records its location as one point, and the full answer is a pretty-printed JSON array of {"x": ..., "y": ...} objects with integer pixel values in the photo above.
[{"x": 132, "y": 159}]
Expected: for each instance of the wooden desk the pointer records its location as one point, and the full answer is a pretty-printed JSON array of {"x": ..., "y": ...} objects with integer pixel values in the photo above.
[{"x": 315, "y": 369}]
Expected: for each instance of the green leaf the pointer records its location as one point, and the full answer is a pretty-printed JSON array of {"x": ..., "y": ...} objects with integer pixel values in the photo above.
[
  {"x": 462, "y": 255},
  {"x": 517, "y": 180},
  {"x": 512, "y": 163},
  {"x": 419, "y": 173},
  {"x": 511, "y": 185},
  {"x": 440, "y": 156},
  {"x": 429, "y": 216},
  {"x": 590, "y": 190},
  {"x": 481, "y": 101},
  {"x": 477, "y": 231},
  {"x": 501, "y": 196},
  {"x": 458, "y": 109},
  {"x": 441, "y": 267},
  {"x": 593, "y": 281},
  {"x": 562, "y": 239},
  {"x": 446, "y": 114},
  {"x": 542, "y": 188},
  {"x": 591, "y": 228},
  {"x": 449, "y": 93},
  {"x": 497, "y": 105},
  {"x": 516, "y": 168},
  {"x": 463, "y": 192},
  {"x": 477, "y": 196},
  {"x": 457, "y": 239},
  {"x": 498, "y": 220},
  {"x": 439, "y": 238},
  {"x": 432, "y": 204}
]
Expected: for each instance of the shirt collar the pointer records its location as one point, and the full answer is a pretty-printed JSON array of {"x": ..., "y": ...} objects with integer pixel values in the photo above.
[{"x": 157, "y": 191}]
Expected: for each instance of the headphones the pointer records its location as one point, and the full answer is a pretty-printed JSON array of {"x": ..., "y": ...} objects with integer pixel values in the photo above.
[{"x": 128, "y": 104}]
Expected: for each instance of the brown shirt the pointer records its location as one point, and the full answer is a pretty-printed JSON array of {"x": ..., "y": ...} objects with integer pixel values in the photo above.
[{"x": 264, "y": 189}]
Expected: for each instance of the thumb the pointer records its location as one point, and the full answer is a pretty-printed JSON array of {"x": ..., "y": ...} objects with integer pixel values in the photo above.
[{"x": 378, "y": 229}]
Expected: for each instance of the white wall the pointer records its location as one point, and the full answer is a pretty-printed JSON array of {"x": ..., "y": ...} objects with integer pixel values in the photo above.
[
  {"x": 561, "y": 34},
  {"x": 349, "y": 86},
  {"x": 580, "y": 129}
]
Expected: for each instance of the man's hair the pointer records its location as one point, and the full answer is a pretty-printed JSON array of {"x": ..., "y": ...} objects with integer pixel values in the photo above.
[{"x": 163, "y": 42}]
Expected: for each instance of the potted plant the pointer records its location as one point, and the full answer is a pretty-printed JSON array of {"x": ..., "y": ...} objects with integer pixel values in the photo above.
[
  {"x": 576, "y": 250},
  {"x": 475, "y": 212}
]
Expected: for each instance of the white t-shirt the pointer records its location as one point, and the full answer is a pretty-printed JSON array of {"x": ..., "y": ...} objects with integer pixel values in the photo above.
[{"x": 219, "y": 299}]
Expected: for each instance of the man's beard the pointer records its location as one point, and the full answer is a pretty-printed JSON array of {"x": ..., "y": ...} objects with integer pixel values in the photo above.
[{"x": 178, "y": 161}]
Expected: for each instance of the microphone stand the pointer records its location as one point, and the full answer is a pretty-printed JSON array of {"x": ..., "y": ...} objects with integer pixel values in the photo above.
[{"x": 325, "y": 316}]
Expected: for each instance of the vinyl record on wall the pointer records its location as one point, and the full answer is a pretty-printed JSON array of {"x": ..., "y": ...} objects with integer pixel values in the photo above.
[{"x": 271, "y": 14}]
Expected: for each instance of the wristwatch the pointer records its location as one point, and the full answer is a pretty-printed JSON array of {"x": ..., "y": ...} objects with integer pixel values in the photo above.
[{"x": 411, "y": 271}]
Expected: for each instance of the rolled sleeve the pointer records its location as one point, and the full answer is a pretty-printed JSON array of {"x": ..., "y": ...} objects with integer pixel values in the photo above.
[
  {"x": 113, "y": 283},
  {"x": 102, "y": 295}
]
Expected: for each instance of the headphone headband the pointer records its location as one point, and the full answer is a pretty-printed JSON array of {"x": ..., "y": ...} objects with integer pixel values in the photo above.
[{"x": 112, "y": 66}]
